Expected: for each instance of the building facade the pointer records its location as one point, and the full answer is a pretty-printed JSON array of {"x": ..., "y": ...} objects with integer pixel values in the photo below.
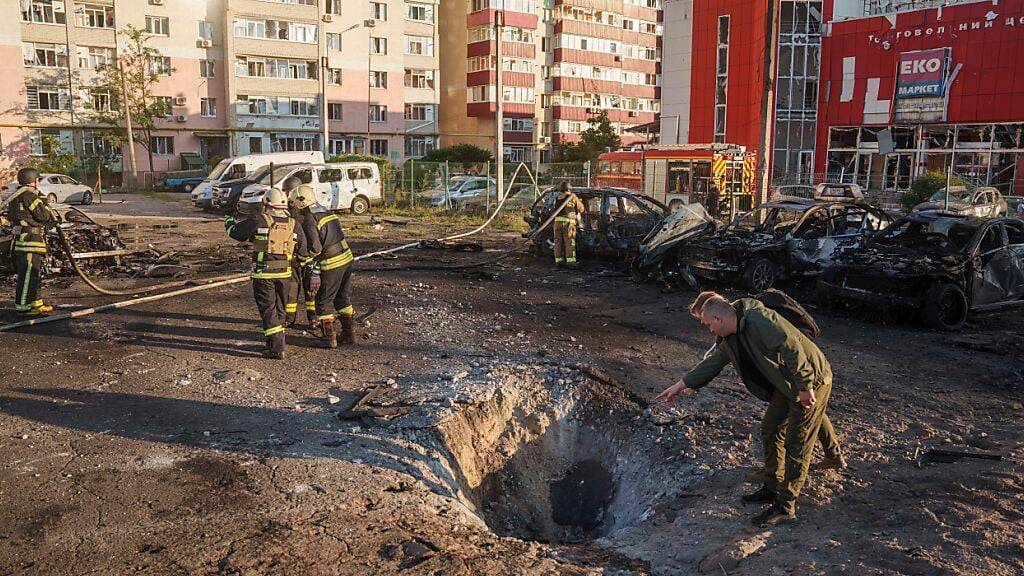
[
  {"x": 562, "y": 63},
  {"x": 714, "y": 78},
  {"x": 915, "y": 86},
  {"x": 241, "y": 76}
]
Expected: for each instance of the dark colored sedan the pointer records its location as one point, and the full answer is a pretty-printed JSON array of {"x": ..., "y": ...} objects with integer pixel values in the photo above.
[{"x": 613, "y": 224}]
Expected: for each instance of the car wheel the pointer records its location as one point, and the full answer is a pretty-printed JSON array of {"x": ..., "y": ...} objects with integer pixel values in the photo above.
[
  {"x": 51, "y": 199},
  {"x": 87, "y": 197},
  {"x": 360, "y": 205},
  {"x": 759, "y": 275},
  {"x": 187, "y": 187},
  {"x": 945, "y": 307}
]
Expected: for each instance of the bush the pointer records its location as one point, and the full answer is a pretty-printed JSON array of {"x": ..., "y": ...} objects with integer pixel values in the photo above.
[
  {"x": 925, "y": 185},
  {"x": 464, "y": 153}
]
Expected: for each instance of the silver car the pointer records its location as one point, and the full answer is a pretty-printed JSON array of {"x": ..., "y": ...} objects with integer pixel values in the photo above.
[
  {"x": 983, "y": 202},
  {"x": 58, "y": 188}
]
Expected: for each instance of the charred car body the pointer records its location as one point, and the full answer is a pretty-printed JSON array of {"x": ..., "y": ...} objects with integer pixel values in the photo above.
[
  {"x": 945, "y": 266},
  {"x": 779, "y": 240},
  {"x": 658, "y": 255},
  {"x": 612, "y": 225},
  {"x": 92, "y": 245}
]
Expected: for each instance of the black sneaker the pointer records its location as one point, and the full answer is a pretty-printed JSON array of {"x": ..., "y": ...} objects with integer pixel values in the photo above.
[
  {"x": 762, "y": 495},
  {"x": 772, "y": 516}
]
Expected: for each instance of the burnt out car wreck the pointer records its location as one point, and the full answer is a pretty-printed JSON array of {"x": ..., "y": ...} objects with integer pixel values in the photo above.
[
  {"x": 93, "y": 246},
  {"x": 778, "y": 241},
  {"x": 946, "y": 267}
]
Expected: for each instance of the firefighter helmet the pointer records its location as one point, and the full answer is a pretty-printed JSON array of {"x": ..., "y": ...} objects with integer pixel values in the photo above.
[
  {"x": 564, "y": 187},
  {"x": 28, "y": 176},
  {"x": 290, "y": 183},
  {"x": 302, "y": 196},
  {"x": 276, "y": 198}
]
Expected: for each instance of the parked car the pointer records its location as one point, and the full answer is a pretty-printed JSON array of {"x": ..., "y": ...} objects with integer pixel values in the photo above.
[
  {"x": 183, "y": 181},
  {"x": 351, "y": 186},
  {"x": 984, "y": 202},
  {"x": 58, "y": 188},
  {"x": 613, "y": 224},
  {"x": 463, "y": 192},
  {"x": 242, "y": 166},
  {"x": 780, "y": 240},
  {"x": 944, "y": 266},
  {"x": 227, "y": 193}
]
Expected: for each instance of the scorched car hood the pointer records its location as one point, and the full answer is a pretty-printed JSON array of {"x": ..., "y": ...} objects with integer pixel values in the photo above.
[{"x": 690, "y": 221}]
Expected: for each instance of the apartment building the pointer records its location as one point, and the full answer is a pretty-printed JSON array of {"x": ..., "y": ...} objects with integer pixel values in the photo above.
[
  {"x": 241, "y": 76},
  {"x": 562, "y": 63}
]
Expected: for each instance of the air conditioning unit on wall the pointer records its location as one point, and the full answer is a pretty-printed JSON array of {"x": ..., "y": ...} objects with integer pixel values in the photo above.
[
  {"x": 181, "y": 118},
  {"x": 545, "y": 139},
  {"x": 328, "y": 18},
  {"x": 156, "y": 2},
  {"x": 205, "y": 43}
]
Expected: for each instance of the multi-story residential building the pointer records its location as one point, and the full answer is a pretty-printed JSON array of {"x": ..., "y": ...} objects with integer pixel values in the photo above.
[
  {"x": 562, "y": 63},
  {"x": 241, "y": 76},
  {"x": 715, "y": 73}
]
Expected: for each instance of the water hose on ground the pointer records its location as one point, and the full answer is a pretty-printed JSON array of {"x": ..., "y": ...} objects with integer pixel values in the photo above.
[{"x": 225, "y": 281}]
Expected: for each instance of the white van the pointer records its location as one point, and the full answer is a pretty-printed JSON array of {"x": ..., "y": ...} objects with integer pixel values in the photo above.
[
  {"x": 242, "y": 166},
  {"x": 351, "y": 186}
]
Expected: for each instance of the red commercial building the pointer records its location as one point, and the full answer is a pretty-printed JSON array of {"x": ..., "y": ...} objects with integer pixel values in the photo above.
[{"x": 907, "y": 92}]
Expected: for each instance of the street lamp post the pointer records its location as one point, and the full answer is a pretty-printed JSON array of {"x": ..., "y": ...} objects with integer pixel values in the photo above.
[{"x": 324, "y": 68}]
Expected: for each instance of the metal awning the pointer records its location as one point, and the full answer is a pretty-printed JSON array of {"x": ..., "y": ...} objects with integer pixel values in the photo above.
[
  {"x": 209, "y": 134},
  {"x": 648, "y": 128}
]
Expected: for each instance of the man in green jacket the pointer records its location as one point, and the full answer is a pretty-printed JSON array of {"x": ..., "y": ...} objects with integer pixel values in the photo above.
[{"x": 763, "y": 342}]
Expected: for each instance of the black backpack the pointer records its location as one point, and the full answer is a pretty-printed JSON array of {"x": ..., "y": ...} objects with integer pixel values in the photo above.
[{"x": 791, "y": 310}]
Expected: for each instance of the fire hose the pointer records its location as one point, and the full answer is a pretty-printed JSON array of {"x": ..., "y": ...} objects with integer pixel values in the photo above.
[{"x": 228, "y": 280}]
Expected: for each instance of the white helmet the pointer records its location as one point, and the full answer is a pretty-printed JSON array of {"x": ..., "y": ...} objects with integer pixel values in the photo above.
[
  {"x": 302, "y": 196},
  {"x": 276, "y": 199}
]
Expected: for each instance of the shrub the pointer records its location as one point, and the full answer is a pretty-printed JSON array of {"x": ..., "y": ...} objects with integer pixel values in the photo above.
[{"x": 925, "y": 185}]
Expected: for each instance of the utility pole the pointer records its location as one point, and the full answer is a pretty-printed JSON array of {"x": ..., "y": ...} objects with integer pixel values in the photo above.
[
  {"x": 499, "y": 115},
  {"x": 767, "y": 98},
  {"x": 128, "y": 128}
]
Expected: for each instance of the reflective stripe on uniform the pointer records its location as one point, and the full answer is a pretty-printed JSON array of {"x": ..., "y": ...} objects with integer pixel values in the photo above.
[
  {"x": 323, "y": 221},
  {"x": 325, "y": 317},
  {"x": 272, "y": 275},
  {"x": 347, "y": 310},
  {"x": 274, "y": 330},
  {"x": 571, "y": 260},
  {"x": 23, "y": 296},
  {"x": 310, "y": 305},
  {"x": 337, "y": 261},
  {"x": 35, "y": 203},
  {"x": 291, "y": 307}
]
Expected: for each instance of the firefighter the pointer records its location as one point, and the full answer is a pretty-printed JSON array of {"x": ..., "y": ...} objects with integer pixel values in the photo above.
[
  {"x": 303, "y": 272},
  {"x": 277, "y": 241},
  {"x": 565, "y": 226},
  {"x": 30, "y": 215},
  {"x": 329, "y": 252}
]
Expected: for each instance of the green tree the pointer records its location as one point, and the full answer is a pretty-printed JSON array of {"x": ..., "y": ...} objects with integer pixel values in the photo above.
[
  {"x": 599, "y": 136},
  {"x": 925, "y": 185},
  {"x": 55, "y": 160},
  {"x": 387, "y": 171},
  {"x": 138, "y": 70},
  {"x": 464, "y": 153}
]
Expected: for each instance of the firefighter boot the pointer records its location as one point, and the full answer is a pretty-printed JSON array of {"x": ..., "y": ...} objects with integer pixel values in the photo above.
[
  {"x": 329, "y": 337},
  {"x": 348, "y": 328},
  {"x": 275, "y": 347},
  {"x": 40, "y": 310}
]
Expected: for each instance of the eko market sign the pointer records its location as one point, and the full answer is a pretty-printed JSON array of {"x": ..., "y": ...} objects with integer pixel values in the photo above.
[
  {"x": 990, "y": 22},
  {"x": 922, "y": 73}
]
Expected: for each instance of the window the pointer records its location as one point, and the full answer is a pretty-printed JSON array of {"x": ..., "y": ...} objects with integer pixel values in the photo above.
[
  {"x": 163, "y": 105},
  {"x": 378, "y": 45},
  {"x": 519, "y": 124},
  {"x": 378, "y": 113},
  {"x": 424, "y": 112},
  {"x": 275, "y": 30},
  {"x": 418, "y": 146},
  {"x": 334, "y": 42},
  {"x": 94, "y": 144},
  {"x": 206, "y": 69},
  {"x": 300, "y": 107},
  {"x": 419, "y": 78},
  {"x": 45, "y": 55},
  {"x": 419, "y": 12},
  {"x": 517, "y": 154},
  {"x": 93, "y": 57},
  {"x": 378, "y": 147},
  {"x": 419, "y": 45},
  {"x": 378, "y": 79},
  {"x": 160, "y": 65},
  {"x": 47, "y": 98},
  {"x": 208, "y": 107},
  {"x": 42, "y": 11},
  {"x": 722, "y": 78},
  {"x": 334, "y": 111},
  {"x": 205, "y": 30},
  {"x": 158, "y": 26},
  {"x": 346, "y": 146},
  {"x": 100, "y": 100},
  {"x": 334, "y": 76},
  {"x": 96, "y": 16},
  {"x": 378, "y": 11},
  {"x": 162, "y": 145},
  {"x": 295, "y": 142}
]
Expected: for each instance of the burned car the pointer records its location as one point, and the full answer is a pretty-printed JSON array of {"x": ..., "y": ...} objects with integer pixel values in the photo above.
[
  {"x": 92, "y": 245},
  {"x": 612, "y": 225},
  {"x": 658, "y": 255},
  {"x": 984, "y": 202},
  {"x": 780, "y": 240},
  {"x": 945, "y": 266}
]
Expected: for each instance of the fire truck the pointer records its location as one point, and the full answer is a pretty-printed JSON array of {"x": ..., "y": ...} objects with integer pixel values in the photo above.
[{"x": 720, "y": 176}]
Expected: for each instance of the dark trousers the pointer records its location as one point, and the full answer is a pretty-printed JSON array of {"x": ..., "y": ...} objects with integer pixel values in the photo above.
[
  {"x": 332, "y": 297},
  {"x": 789, "y": 433},
  {"x": 302, "y": 293},
  {"x": 28, "y": 266},
  {"x": 271, "y": 297}
]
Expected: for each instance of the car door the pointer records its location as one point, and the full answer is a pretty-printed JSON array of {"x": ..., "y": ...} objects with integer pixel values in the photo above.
[
  {"x": 811, "y": 240},
  {"x": 996, "y": 269},
  {"x": 71, "y": 188},
  {"x": 331, "y": 192},
  {"x": 362, "y": 182},
  {"x": 980, "y": 204},
  {"x": 628, "y": 223}
]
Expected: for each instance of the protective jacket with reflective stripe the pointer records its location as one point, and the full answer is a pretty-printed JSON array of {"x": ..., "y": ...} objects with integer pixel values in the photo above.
[
  {"x": 265, "y": 265},
  {"x": 31, "y": 216},
  {"x": 324, "y": 232},
  {"x": 572, "y": 208}
]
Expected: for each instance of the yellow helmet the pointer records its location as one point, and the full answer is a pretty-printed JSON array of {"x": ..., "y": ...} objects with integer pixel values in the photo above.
[
  {"x": 276, "y": 199},
  {"x": 302, "y": 196}
]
